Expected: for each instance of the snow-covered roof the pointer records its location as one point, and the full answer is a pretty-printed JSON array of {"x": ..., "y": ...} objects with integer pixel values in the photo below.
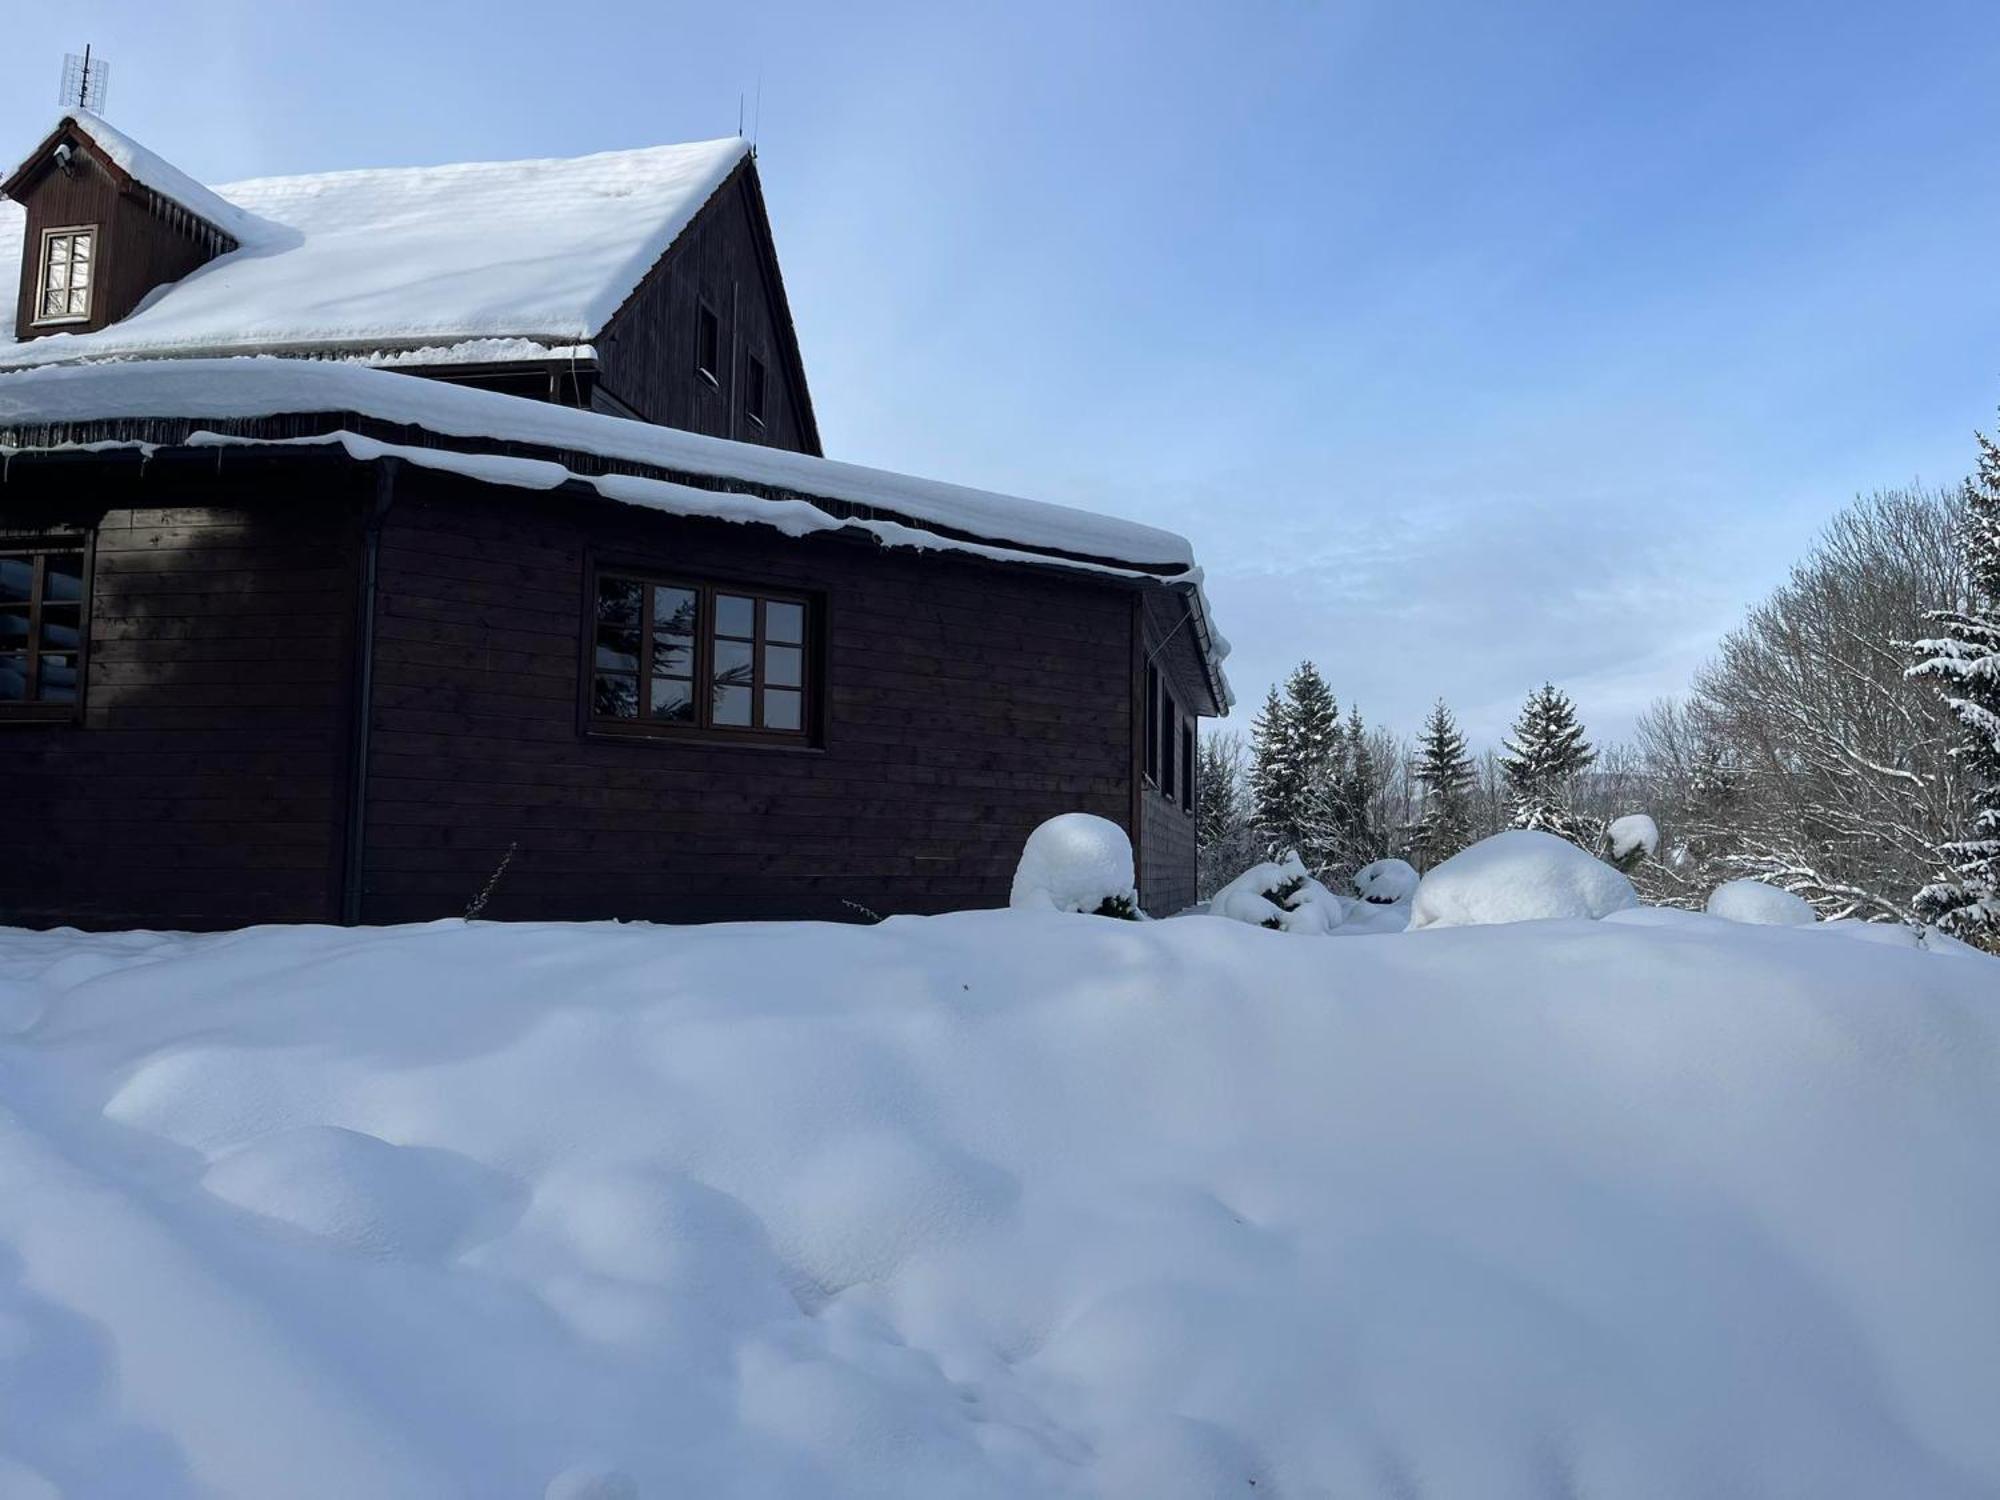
[
  {"x": 250, "y": 388},
  {"x": 149, "y": 169},
  {"x": 544, "y": 251}
]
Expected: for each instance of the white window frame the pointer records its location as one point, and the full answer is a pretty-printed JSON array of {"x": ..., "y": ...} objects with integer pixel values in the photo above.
[{"x": 42, "y": 287}]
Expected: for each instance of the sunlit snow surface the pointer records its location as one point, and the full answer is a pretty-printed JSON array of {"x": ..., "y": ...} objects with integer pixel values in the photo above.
[{"x": 1000, "y": 1204}]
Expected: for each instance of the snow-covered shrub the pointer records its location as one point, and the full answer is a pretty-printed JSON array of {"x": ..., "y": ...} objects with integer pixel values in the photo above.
[
  {"x": 1077, "y": 862},
  {"x": 1386, "y": 882},
  {"x": 1630, "y": 840},
  {"x": 1520, "y": 875},
  {"x": 1763, "y": 905},
  {"x": 1281, "y": 895}
]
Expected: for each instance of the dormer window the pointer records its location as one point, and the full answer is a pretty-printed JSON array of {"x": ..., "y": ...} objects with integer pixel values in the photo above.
[{"x": 69, "y": 258}]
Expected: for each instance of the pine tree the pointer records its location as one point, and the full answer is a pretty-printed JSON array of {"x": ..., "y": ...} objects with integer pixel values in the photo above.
[
  {"x": 1294, "y": 777},
  {"x": 1545, "y": 756},
  {"x": 1964, "y": 661},
  {"x": 1449, "y": 778},
  {"x": 1274, "y": 775},
  {"x": 1359, "y": 781}
]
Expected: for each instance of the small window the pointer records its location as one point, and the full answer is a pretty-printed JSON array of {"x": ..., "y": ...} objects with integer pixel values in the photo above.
[
  {"x": 68, "y": 271},
  {"x": 1168, "y": 718},
  {"x": 708, "y": 343},
  {"x": 1187, "y": 766},
  {"x": 44, "y": 589},
  {"x": 672, "y": 656},
  {"x": 753, "y": 389},
  {"x": 1152, "y": 719}
]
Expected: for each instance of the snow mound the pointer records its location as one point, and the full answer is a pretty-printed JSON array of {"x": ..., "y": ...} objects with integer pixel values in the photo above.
[
  {"x": 1632, "y": 835},
  {"x": 1519, "y": 876},
  {"x": 1764, "y": 905},
  {"x": 1075, "y": 862},
  {"x": 1280, "y": 894},
  {"x": 360, "y": 1193},
  {"x": 977, "y": 1207},
  {"x": 1386, "y": 881}
]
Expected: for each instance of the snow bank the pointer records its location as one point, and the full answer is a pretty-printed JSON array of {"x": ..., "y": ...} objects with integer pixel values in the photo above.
[
  {"x": 1519, "y": 876},
  {"x": 1280, "y": 894},
  {"x": 1075, "y": 862},
  {"x": 1766, "y": 905},
  {"x": 1386, "y": 881},
  {"x": 995, "y": 1205}
]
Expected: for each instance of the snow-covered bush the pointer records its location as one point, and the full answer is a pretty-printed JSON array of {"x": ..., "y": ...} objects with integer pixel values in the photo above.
[
  {"x": 1281, "y": 895},
  {"x": 1077, "y": 862},
  {"x": 1519, "y": 876},
  {"x": 1386, "y": 882},
  {"x": 1629, "y": 840},
  {"x": 1763, "y": 905}
]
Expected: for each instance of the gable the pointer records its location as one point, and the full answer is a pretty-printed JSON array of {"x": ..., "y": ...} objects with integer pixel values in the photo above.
[{"x": 648, "y": 353}]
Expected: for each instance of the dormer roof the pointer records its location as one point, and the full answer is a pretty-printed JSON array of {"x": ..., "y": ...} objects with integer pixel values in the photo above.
[{"x": 525, "y": 254}]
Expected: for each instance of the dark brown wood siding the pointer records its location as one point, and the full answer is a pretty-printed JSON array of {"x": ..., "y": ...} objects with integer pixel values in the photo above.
[
  {"x": 205, "y": 785},
  {"x": 136, "y": 250},
  {"x": 647, "y": 354},
  {"x": 965, "y": 704},
  {"x": 1166, "y": 826}
]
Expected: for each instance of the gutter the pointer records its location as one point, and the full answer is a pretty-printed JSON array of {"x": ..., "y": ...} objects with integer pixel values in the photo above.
[{"x": 361, "y": 725}]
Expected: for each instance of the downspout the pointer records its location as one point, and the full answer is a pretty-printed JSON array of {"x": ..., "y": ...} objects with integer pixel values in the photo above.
[{"x": 364, "y": 692}]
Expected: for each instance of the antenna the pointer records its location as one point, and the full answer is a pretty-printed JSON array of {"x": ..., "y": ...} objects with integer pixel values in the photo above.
[
  {"x": 739, "y": 114},
  {"x": 86, "y": 80}
]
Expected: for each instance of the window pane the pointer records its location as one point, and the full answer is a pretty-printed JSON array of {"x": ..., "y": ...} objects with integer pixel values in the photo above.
[
  {"x": 785, "y": 622},
  {"x": 674, "y": 611},
  {"x": 618, "y": 601},
  {"x": 673, "y": 700},
  {"x": 735, "y": 615},
  {"x": 673, "y": 655},
  {"x": 79, "y": 247},
  {"x": 732, "y": 663},
  {"x": 782, "y": 666},
  {"x": 79, "y": 304},
  {"x": 53, "y": 304},
  {"x": 17, "y": 579},
  {"x": 615, "y": 696},
  {"x": 13, "y": 678},
  {"x": 62, "y": 577},
  {"x": 59, "y": 628},
  {"x": 79, "y": 274},
  {"x": 59, "y": 250},
  {"x": 618, "y": 648},
  {"x": 58, "y": 679},
  {"x": 58, "y": 275},
  {"x": 13, "y": 629},
  {"x": 732, "y": 707},
  {"x": 782, "y": 709}
]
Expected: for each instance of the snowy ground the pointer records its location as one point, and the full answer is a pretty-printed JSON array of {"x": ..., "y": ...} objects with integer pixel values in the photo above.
[{"x": 999, "y": 1204}]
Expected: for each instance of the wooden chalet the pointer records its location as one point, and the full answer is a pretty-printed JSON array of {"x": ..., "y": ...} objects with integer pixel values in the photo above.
[{"x": 364, "y": 533}]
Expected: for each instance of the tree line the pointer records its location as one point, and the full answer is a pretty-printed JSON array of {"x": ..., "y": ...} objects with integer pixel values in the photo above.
[{"x": 1842, "y": 743}]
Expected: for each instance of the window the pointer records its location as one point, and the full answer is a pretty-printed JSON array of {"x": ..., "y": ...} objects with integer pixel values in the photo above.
[
  {"x": 69, "y": 258},
  {"x": 1152, "y": 719},
  {"x": 1165, "y": 729},
  {"x": 1187, "y": 766},
  {"x": 753, "y": 389},
  {"x": 677, "y": 657},
  {"x": 42, "y": 589},
  {"x": 708, "y": 343}
]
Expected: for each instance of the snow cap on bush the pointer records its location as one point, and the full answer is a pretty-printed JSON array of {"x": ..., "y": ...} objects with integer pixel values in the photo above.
[
  {"x": 1760, "y": 904},
  {"x": 1386, "y": 882},
  {"x": 1630, "y": 839},
  {"x": 1279, "y": 894},
  {"x": 1519, "y": 876},
  {"x": 1076, "y": 862}
]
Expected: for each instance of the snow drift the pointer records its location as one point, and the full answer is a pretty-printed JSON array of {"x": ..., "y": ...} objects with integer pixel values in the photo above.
[
  {"x": 1521, "y": 875},
  {"x": 998, "y": 1205}
]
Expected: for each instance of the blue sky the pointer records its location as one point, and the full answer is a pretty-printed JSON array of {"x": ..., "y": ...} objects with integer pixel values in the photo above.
[{"x": 1472, "y": 344}]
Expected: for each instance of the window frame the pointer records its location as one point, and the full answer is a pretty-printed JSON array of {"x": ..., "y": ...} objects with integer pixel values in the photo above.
[
  {"x": 1150, "y": 736},
  {"x": 1165, "y": 729},
  {"x": 42, "y": 264},
  {"x": 704, "y": 731},
  {"x": 1188, "y": 761},
  {"x": 706, "y": 322},
  {"x": 40, "y": 545},
  {"x": 757, "y": 379}
]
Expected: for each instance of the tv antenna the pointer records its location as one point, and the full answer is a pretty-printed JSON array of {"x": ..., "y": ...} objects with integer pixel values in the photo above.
[{"x": 85, "y": 82}]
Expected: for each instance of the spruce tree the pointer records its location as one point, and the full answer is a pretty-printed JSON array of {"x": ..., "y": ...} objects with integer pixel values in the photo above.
[
  {"x": 1360, "y": 779},
  {"x": 1543, "y": 759},
  {"x": 1317, "y": 742},
  {"x": 1445, "y": 771},
  {"x": 1274, "y": 776},
  {"x": 1964, "y": 661}
]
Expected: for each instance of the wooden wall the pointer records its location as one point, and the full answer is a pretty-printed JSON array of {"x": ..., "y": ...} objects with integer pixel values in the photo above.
[
  {"x": 1166, "y": 831},
  {"x": 205, "y": 786},
  {"x": 136, "y": 250},
  {"x": 647, "y": 354},
  {"x": 966, "y": 703}
]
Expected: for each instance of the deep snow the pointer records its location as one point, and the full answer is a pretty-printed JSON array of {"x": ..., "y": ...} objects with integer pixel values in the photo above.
[{"x": 999, "y": 1204}]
